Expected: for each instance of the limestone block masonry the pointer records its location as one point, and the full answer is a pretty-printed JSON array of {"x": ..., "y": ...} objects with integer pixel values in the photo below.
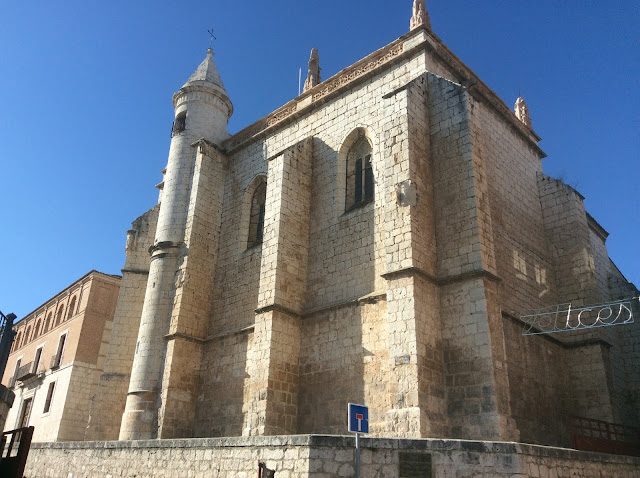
[
  {"x": 374, "y": 241},
  {"x": 309, "y": 456},
  {"x": 204, "y": 109}
]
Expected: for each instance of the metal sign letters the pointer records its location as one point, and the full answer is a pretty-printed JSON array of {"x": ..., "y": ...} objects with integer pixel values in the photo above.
[{"x": 565, "y": 318}]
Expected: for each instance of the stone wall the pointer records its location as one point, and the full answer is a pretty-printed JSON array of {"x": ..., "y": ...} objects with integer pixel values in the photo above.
[
  {"x": 540, "y": 392},
  {"x": 345, "y": 264},
  {"x": 306, "y": 456},
  {"x": 403, "y": 302},
  {"x": 343, "y": 358},
  {"x": 108, "y": 403},
  {"x": 7, "y": 398}
]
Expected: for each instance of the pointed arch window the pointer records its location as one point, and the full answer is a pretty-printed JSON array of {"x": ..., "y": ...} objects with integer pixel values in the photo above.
[
  {"x": 72, "y": 307},
  {"x": 256, "y": 215},
  {"x": 359, "y": 175}
]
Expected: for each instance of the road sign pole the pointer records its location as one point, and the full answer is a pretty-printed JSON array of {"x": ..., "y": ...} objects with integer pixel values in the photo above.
[
  {"x": 357, "y": 455},
  {"x": 358, "y": 421}
]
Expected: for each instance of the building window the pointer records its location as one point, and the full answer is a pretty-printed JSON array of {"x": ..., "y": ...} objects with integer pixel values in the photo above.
[
  {"x": 12, "y": 382},
  {"x": 179, "y": 124},
  {"x": 26, "y": 413},
  {"x": 60, "y": 315},
  {"x": 36, "y": 360},
  {"x": 48, "y": 324},
  {"x": 359, "y": 175},
  {"x": 256, "y": 215},
  {"x": 27, "y": 335},
  {"x": 57, "y": 358},
  {"x": 16, "y": 343},
  {"x": 47, "y": 403},
  {"x": 72, "y": 306}
]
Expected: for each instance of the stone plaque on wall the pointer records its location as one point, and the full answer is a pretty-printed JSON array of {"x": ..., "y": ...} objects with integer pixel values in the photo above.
[{"x": 414, "y": 465}]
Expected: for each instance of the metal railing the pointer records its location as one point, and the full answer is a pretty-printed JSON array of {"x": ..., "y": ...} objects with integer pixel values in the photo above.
[
  {"x": 56, "y": 360},
  {"x": 588, "y": 434},
  {"x": 14, "y": 448},
  {"x": 25, "y": 372}
]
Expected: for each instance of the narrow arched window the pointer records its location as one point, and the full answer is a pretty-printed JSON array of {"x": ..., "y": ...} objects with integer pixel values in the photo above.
[
  {"x": 60, "y": 315},
  {"x": 359, "y": 175},
  {"x": 27, "y": 335},
  {"x": 38, "y": 329},
  {"x": 256, "y": 215},
  {"x": 17, "y": 342},
  {"x": 48, "y": 324},
  {"x": 179, "y": 124},
  {"x": 72, "y": 307}
]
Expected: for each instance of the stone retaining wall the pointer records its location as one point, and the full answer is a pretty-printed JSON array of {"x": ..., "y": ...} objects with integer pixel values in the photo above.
[{"x": 319, "y": 456}]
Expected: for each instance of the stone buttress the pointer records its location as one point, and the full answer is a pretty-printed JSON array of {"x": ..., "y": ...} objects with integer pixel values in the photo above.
[
  {"x": 271, "y": 407},
  {"x": 477, "y": 384},
  {"x": 413, "y": 321},
  {"x": 161, "y": 397}
]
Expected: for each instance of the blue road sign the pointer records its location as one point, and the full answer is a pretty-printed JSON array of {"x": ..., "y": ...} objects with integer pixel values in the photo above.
[{"x": 358, "y": 418}]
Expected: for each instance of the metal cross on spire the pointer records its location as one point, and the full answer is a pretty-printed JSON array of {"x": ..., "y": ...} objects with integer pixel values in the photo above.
[{"x": 210, "y": 31}]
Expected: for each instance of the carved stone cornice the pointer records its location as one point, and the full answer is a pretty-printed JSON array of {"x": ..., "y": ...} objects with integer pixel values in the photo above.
[
  {"x": 322, "y": 92},
  {"x": 199, "y": 92},
  {"x": 420, "y": 38}
]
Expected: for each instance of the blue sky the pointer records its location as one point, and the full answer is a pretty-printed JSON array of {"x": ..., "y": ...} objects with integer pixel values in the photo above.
[{"x": 87, "y": 85}]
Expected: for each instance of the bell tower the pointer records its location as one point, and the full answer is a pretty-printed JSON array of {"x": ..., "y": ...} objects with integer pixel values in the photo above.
[{"x": 202, "y": 111}]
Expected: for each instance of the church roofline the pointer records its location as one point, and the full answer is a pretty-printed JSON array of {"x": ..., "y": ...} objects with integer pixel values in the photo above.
[
  {"x": 407, "y": 45},
  {"x": 596, "y": 227}
]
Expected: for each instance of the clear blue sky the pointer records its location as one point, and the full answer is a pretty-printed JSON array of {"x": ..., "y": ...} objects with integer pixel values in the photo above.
[{"x": 86, "y": 110}]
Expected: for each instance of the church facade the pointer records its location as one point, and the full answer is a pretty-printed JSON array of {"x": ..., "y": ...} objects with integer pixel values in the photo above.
[{"x": 371, "y": 241}]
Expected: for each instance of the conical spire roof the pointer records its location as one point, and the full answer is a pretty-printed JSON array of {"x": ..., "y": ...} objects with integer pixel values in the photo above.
[
  {"x": 206, "y": 73},
  {"x": 206, "y": 76}
]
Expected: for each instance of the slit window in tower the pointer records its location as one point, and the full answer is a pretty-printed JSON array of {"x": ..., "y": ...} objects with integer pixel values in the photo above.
[
  {"x": 179, "y": 124},
  {"x": 256, "y": 218}
]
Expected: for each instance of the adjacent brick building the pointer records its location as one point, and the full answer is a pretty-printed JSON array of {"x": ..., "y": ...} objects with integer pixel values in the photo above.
[
  {"x": 371, "y": 241},
  {"x": 57, "y": 357}
]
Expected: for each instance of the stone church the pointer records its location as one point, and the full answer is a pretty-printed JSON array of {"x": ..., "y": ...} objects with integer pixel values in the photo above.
[{"x": 372, "y": 241}]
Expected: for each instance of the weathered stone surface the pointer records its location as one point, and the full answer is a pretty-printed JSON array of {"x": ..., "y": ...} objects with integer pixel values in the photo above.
[
  {"x": 307, "y": 456},
  {"x": 407, "y": 221}
]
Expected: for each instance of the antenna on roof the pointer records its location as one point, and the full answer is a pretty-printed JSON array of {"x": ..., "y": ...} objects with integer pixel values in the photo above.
[
  {"x": 299, "y": 81},
  {"x": 210, "y": 32}
]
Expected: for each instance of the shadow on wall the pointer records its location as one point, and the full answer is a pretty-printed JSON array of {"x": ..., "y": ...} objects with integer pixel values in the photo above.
[
  {"x": 335, "y": 359},
  {"x": 219, "y": 407}
]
